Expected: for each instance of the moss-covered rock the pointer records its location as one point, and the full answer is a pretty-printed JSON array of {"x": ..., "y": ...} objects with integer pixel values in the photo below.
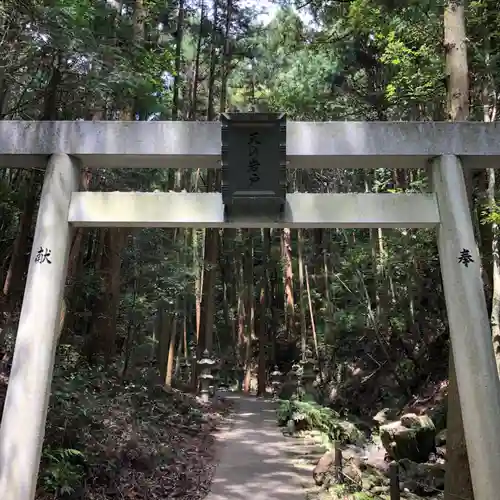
[
  {"x": 412, "y": 437},
  {"x": 422, "y": 479},
  {"x": 385, "y": 416}
]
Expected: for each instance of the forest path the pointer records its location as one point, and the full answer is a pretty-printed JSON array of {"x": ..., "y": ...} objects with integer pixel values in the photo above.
[{"x": 256, "y": 461}]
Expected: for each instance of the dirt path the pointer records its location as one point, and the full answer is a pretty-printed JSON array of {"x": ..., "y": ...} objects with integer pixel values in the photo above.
[{"x": 257, "y": 462}]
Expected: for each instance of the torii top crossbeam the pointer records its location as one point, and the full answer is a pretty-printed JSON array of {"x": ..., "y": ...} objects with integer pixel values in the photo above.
[{"x": 310, "y": 145}]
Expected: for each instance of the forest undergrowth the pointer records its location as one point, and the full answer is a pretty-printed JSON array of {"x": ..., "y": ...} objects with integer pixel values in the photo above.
[
  {"x": 364, "y": 473},
  {"x": 128, "y": 439}
]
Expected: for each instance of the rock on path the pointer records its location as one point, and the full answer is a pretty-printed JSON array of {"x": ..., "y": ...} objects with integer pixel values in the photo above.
[{"x": 256, "y": 461}]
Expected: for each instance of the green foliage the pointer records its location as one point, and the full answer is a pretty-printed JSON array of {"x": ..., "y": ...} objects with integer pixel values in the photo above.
[
  {"x": 308, "y": 415},
  {"x": 372, "y": 293},
  {"x": 106, "y": 431},
  {"x": 360, "y": 495},
  {"x": 490, "y": 213},
  {"x": 302, "y": 88},
  {"x": 63, "y": 470}
]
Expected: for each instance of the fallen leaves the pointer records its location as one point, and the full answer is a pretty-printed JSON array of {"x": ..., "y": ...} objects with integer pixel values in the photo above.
[{"x": 138, "y": 442}]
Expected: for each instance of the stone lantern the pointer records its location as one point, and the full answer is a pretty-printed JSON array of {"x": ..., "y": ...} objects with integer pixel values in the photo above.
[
  {"x": 216, "y": 377},
  {"x": 185, "y": 373},
  {"x": 205, "y": 377},
  {"x": 295, "y": 375},
  {"x": 192, "y": 351},
  {"x": 309, "y": 373},
  {"x": 276, "y": 381}
]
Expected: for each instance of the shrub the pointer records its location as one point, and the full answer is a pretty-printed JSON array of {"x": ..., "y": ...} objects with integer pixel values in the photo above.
[
  {"x": 308, "y": 415},
  {"x": 64, "y": 471}
]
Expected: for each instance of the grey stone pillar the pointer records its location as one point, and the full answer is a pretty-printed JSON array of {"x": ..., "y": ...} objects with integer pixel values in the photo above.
[
  {"x": 25, "y": 412},
  {"x": 470, "y": 332}
]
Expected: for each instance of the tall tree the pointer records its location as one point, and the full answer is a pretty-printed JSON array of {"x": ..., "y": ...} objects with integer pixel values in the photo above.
[{"x": 458, "y": 481}]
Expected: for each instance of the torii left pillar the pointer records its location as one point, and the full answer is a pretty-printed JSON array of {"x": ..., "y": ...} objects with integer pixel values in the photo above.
[{"x": 25, "y": 412}]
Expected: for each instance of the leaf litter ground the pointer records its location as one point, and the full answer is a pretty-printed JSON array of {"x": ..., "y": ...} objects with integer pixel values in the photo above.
[{"x": 106, "y": 440}]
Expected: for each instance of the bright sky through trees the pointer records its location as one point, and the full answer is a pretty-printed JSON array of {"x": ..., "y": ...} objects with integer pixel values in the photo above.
[{"x": 271, "y": 8}]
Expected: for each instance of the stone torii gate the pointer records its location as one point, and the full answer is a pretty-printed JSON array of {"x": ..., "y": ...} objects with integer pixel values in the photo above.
[{"x": 62, "y": 147}]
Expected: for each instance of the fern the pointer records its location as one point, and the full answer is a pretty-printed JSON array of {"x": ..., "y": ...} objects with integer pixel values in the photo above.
[
  {"x": 312, "y": 416},
  {"x": 64, "y": 470}
]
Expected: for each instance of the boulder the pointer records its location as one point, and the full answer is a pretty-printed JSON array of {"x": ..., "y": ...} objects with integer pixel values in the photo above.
[
  {"x": 349, "y": 433},
  {"x": 441, "y": 452},
  {"x": 441, "y": 438},
  {"x": 324, "y": 468},
  {"x": 326, "y": 471},
  {"x": 374, "y": 482},
  {"x": 352, "y": 475},
  {"x": 367, "y": 484},
  {"x": 380, "y": 490},
  {"x": 412, "y": 437},
  {"x": 385, "y": 416},
  {"x": 423, "y": 479}
]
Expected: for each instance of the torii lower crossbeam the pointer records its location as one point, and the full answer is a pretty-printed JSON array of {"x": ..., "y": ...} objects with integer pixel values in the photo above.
[{"x": 302, "y": 210}]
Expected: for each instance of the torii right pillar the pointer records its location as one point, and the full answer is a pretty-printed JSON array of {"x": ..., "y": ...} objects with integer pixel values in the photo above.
[{"x": 470, "y": 332}]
